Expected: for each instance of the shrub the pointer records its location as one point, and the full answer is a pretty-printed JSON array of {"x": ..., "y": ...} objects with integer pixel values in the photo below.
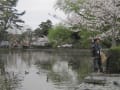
[
  {"x": 85, "y": 37},
  {"x": 106, "y": 43},
  {"x": 59, "y": 35},
  {"x": 113, "y": 62}
]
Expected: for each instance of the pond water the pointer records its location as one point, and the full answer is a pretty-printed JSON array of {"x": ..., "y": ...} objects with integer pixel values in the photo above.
[{"x": 43, "y": 69}]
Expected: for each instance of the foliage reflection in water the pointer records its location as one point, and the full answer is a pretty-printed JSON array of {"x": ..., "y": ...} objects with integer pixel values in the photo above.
[{"x": 43, "y": 70}]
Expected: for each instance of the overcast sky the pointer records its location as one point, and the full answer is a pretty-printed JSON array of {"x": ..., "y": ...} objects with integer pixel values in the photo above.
[{"x": 38, "y": 11}]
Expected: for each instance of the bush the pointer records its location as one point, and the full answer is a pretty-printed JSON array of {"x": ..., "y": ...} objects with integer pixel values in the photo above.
[
  {"x": 113, "y": 62},
  {"x": 85, "y": 37},
  {"x": 59, "y": 35},
  {"x": 106, "y": 43}
]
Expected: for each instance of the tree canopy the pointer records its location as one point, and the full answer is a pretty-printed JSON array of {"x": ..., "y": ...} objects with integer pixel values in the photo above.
[
  {"x": 43, "y": 28},
  {"x": 9, "y": 16},
  {"x": 102, "y": 15}
]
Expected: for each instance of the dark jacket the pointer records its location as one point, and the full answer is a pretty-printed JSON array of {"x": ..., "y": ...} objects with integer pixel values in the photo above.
[{"x": 96, "y": 50}]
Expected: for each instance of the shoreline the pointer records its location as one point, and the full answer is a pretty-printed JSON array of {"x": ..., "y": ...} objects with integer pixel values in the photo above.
[{"x": 101, "y": 82}]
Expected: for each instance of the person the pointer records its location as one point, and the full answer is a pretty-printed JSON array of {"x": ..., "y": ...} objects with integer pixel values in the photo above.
[{"x": 96, "y": 49}]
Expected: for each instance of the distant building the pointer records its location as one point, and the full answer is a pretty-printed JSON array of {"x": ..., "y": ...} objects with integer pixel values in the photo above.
[
  {"x": 65, "y": 45},
  {"x": 41, "y": 41},
  {"x": 4, "y": 44}
]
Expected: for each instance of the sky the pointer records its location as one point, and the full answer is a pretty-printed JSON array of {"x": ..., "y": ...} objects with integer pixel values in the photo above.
[{"x": 38, "y": 11}]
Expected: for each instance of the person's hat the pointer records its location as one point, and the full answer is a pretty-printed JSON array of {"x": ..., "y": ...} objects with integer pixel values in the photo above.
[{"x": 97, "y": 38}]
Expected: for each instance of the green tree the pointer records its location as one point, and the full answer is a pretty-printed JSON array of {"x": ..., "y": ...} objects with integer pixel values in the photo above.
[
  {"x": 38, "y": 32},
  {"x": 85, "y": 37},
  {"x": 9, "y": 16},
  {"x": 27, "y": 35},
  {"x": 43, "y": 28},
  {"x": 59, "y": 35}
]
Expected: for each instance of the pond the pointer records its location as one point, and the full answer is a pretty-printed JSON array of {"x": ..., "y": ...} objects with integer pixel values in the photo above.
[{"x": 43, "y": 69}]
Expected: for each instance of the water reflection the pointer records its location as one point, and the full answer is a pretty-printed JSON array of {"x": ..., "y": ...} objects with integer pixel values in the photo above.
[
  {"x": 8, "y": 80},
  {"x": 43, "y": 70}
]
